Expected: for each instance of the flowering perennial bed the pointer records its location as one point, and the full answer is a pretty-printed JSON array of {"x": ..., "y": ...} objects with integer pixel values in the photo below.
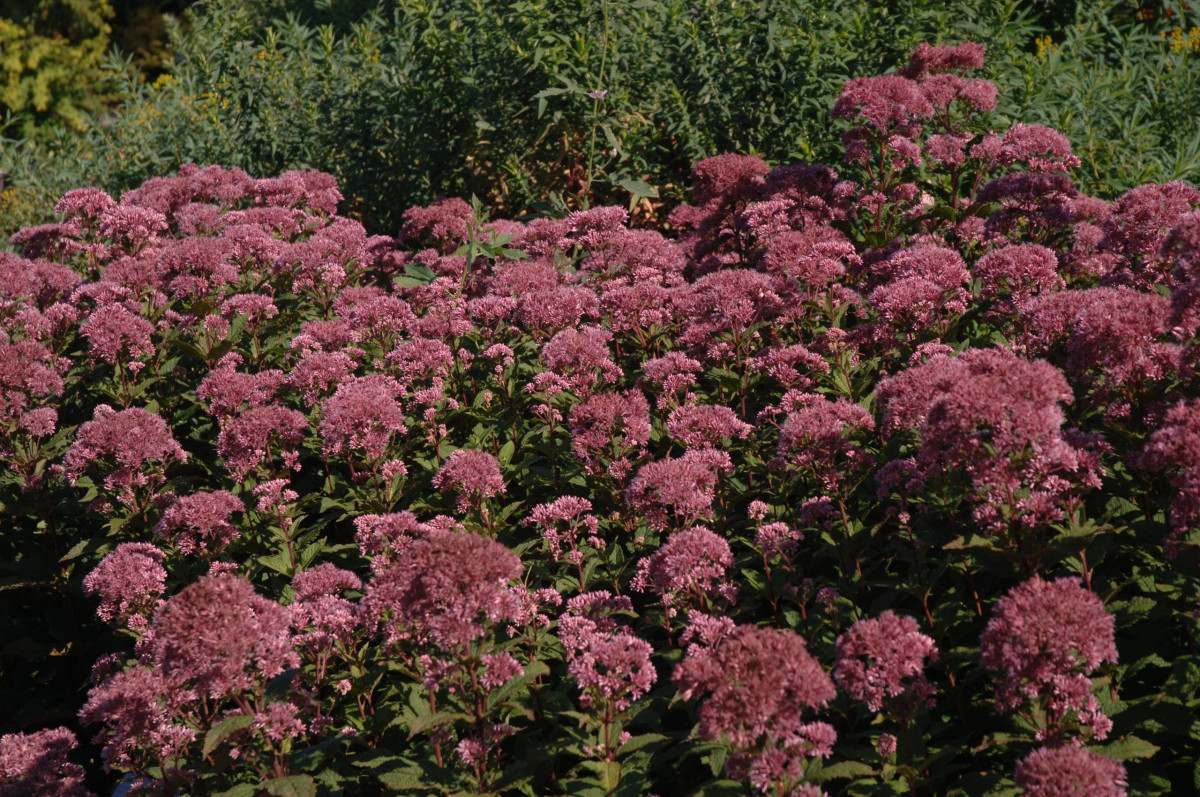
[{"x": 853, "y": 487}]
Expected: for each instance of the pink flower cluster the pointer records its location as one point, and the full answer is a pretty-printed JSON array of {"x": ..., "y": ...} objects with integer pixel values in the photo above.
[
  {"x": 1069, "y": 771},
  {"x": 1014, "y": 452},
  {"x": 129, "y": 582},
  {"x": 443, "y": 590},
  {"x": 1042, "y": 641},
  {"x": 575, "y": 512},
  {"x": 882, "y": 660},
  {"x": 474, "y": 475},
  {"x": 755, "y": 685},
  {"x": 688, "y": 571},
  {"x": 673, "y": 491},
  {"x": 610, "y": 664},
  {"x": 36, "y": 765},
  {"x": 130, "y": 448}
]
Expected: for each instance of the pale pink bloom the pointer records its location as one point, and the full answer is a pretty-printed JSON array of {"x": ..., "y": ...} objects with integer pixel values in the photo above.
[
  {"x": 221, "y": 636},
  {"x": 36, "y": 764},
  {"x": 201, "y": 522},
  {"x": 755, "y": 686},
  {"x": 228, "y": 391},
  {"x": 679, "y": 490},
  {"x": 1069, "y": 771},
  {"x": 130, "y": 447},
  {"x": 363, "y": 415},
  {"x": 610, "y": 431},
  {"x": 279, "y": 720},
  {"x": 129, "y": 581},
  {"x": 262, "y": 433},
  {"x": 706, "y": 426},
  {"x": 446, "y": 589},
  {"x": 882, "y": 659},
  {"x": 1043, "y": 639},
  {"x": 689, "y": 569},
  {"x": 474, "y": 475},
  {"x": 116, "y": 335}
]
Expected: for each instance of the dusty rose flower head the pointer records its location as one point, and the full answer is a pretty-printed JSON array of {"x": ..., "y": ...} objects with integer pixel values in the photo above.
[
  {"x": 1042, "y": 641},
  {"x": 255, "y": 307},
  {"x": 1175, "y": 448},
  {"x": 705, "y": 425},
  {"x": 319, "y": 610},
  {"x": 816, "y": 438},
  {"x": 575, "y": 513},
  {"x": 610, "y": 664},
  {"x": 363, "y": 414},
  {"x": 815, "y": 256},
  {"x": 929, "y": 59},
  {"x": 755, "y": 686},
  {"x": 1117, "y": 332},
  {"x": 444, "y": 590},
  {"x": 882, "y": 659},
  {"x": 116, "y": 335},
  {"x": 1017, "y": 272},
  {"x": 420, "y": 361},
  {"x": 1182, "y": 246},
  {"x": 883, "y": 101},
  {"x": 384, "y": 537},
  {"x": 577, "y": 361},
  {"x": 221, "y": 636},
  {"x": 609, "y": 431},
  {"x": 319, "y": 373},
  {"x": 445, "y": 224},
  {"x": 1138, "y": 226},
  {"x": 689, "y": 569},
  {"x": 670, "y": 377},
  {"x": 1042, "y": 148},
  {"x": 557, "y": 310},
  {"x": 963, "y": 428},
  {"x": 474, "y": 475},
  {"x": 130, "y": 447},
  {"x": 1069, "y": 771},
  {"x": 140, "y": 711},
  {"x": 228, "y": 391},
  {"x": 680, "y": 489},
  {"x": 200, "y": 522},
  {"x": 28, "y": 371},
  {"x": 36, "y": 764},
  {"x": 725, "y": 305},
  {"x": 129, "y": 581},
  {"x": 262, "y": 433}
]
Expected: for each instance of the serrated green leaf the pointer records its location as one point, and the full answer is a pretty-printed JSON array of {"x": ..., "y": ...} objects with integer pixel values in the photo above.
[
  {"x": 435, "y": 720},
  {"x": 1127, "y": 748},
  {"x": 291, "y": 786},
  {"x": 639, "y": 188},
  {"x": 223, "y": 730},
  {"x": 240, "y": 790},
  {"x": 844, "y": 769}
]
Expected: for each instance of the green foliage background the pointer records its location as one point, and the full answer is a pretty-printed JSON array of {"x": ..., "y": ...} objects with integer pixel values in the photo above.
[
  {"x": 406, "y": 100},
  {"x": 51, "y": 61}
]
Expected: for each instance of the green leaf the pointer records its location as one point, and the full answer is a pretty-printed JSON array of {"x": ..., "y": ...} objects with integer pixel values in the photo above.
[
  {"x": 240, "y": 790},
  {"x": 278, "y": 562},
  {"x": 435, "y": 720},
  {"x": 404, "y": 780},
  {"x": 223, "y": 730},
  {"x": 844, "y": 769},
  {"x": 90, "y": 545},
  {"x": 639, "y": 188},
  {"x": 640, "y": 741},
  {"x": 607, "y": 772},
  {"x": 506, "y": 453},
  {"x": 291, "y": 786},
  {"x": 1127, "y": 748}
]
